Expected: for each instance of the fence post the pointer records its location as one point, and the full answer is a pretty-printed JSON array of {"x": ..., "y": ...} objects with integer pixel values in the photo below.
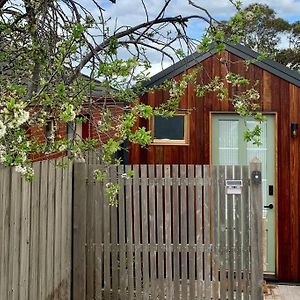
[
  {"x": 79, "y": 231},
  {"x": 256, "y": 230}
]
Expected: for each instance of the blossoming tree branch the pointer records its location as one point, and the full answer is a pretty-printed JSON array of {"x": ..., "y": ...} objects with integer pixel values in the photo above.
[{"x": 55, "y": 54}]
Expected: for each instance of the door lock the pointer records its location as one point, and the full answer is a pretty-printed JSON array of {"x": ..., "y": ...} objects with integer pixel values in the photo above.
[
  {"x": 271, "y": 190},
  {"x": 270, "y": 206}
]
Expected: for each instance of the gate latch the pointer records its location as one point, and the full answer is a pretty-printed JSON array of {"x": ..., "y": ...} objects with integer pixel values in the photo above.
[{"x": 256, "y": 177}]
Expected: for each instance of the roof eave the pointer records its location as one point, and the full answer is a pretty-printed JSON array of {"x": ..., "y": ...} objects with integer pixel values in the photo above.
[{"x": 238, "y": 50}]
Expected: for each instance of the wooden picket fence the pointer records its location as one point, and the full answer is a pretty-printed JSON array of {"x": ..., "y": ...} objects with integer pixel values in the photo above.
[
  {"x": 35, "y": 233},
  {"x": 176, "y": 234}
]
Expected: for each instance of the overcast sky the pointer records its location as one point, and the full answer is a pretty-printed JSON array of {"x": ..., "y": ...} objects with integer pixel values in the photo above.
[{"x": 130, "y": 12}]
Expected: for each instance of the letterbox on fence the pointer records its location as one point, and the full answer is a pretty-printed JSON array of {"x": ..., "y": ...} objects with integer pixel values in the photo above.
[{"x": 233, "y": 186}]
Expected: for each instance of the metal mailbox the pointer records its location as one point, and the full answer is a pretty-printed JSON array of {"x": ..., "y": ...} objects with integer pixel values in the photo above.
[{"x": 233, "y": 186}]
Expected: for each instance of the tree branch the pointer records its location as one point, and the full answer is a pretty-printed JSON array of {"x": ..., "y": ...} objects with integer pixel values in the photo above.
[
  {"x": 2, "y": 3},
  {"x": 178, "y": 20}
]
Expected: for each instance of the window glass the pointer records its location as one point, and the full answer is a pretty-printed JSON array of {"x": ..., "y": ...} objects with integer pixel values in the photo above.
[
  {"x": 70, "y": 130},
  {"x": 49, "y": 130},
  {"x": 170, "y": 128},
  {"x": 228, "y": 142}
]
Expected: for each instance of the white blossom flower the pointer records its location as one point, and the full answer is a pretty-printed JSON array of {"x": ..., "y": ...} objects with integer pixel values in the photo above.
[
  {"x": 249, "y": 15},
  {"x": 58, "y": 44},
  {"x": 68, "y": 114},
  {"x": 62, "y": 148},
  {"x": 2, "y": 154},
  {"x": 2, "y": 129},
  {"x": 79, "y": 157},
  {"x": 21, "y": 117},
  {"x": 25, "y": 171},
  {"x": 22, "y": 170}
]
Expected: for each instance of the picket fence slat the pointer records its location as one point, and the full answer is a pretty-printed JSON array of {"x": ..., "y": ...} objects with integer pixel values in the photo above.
[
  {"x": 256, "y": 235},
  {"x": 222, "y": 228},
  {"x": 238, "y": 235},
  {"x": 246, "y": 235},
  {"x": 90, "y": 236},
  {"x": 15, "y": 236},
  {"x": 230, "y": 233},
  {"x": 175, "y": 224},
  {"x": 207, "y": 211},
  {"x": 183, "y": 233},
  {"x": 79, "y": 229},
  {"x": 98, "y": 197},
  {"x": 43, "y": 230},
  {"x": 191, "y": 231},
  {"x": 167, "y": 199},
  {"x": 5, "y": 236},
  {"x": 199, "y": 233},
  {"x": 129, "y": 227},
  {"x": 144, "y": 220},
  {"x": 50, "y": 231},
  {"x": 57, "y": 230},
  {"x": 160, "y": 235},
  {"x": 122, "y": 228},
  {"x": 24, "y": 240},
  {"x": 137, "y": 229},
  {"x": 107, "y": 248},
  {"x": 34, "y": 240},
  {"x": 65, "y": 250},
  {"x": 215, "y": 238},
  {"x": 114, "y": 233},
  {"x": 152, "y": 229}
]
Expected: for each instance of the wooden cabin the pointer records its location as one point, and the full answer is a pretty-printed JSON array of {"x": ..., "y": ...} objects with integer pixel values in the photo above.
[{"x": 208, "y": 131}]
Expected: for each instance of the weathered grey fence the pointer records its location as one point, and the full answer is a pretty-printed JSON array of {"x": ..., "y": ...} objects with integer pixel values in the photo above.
[
  {"x": 35, "y": 233},
  {"x": 176, "y": 234}
]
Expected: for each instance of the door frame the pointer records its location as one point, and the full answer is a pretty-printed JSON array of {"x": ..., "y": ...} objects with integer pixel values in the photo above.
[{"x": 275, "y": 114}]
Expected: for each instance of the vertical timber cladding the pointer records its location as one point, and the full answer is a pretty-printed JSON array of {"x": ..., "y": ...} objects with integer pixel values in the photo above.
[{"x": 277, "y": 96}]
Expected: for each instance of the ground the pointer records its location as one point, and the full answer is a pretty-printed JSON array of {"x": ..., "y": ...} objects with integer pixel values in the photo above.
[{"x": 282, "y": 292}]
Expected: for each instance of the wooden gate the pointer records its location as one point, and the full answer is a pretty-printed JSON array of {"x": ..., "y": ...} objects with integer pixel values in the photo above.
[{"x": 178, "y": 232}]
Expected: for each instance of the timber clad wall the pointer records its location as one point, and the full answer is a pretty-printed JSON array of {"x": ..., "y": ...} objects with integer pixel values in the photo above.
[
  {"x": 35, "y": 233},
  {"x": 89, "y": 129},
  {"x": 277, "y": 96}
]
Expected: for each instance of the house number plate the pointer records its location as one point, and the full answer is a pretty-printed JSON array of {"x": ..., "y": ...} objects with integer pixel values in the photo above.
[{"x": 233, "y": 187}]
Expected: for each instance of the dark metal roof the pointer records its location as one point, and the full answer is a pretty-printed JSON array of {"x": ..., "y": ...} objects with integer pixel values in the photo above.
[
  {"x": 99, "y": 90},
  {"x": 238, "y": 50}
]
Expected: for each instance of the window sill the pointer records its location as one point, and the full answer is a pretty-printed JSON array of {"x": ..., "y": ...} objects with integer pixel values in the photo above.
[{"x": 167, "y": 142}]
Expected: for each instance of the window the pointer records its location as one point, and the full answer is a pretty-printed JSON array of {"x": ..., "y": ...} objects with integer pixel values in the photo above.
[
  {"x": 173, "y": 130},
  {"x": 49, "y": 131},
  {"x": 71, "y": 130},
  {"x": 79, "y": 129}
]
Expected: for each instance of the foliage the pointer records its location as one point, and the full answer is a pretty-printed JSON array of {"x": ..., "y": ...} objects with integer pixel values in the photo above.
[
  {"x": 266, "y": 33},
  {"x": 45, "y": 46}
]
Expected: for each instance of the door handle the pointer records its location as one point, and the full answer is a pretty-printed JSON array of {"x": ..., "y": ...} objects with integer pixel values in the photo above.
[{"x": 270, "y": 206}]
